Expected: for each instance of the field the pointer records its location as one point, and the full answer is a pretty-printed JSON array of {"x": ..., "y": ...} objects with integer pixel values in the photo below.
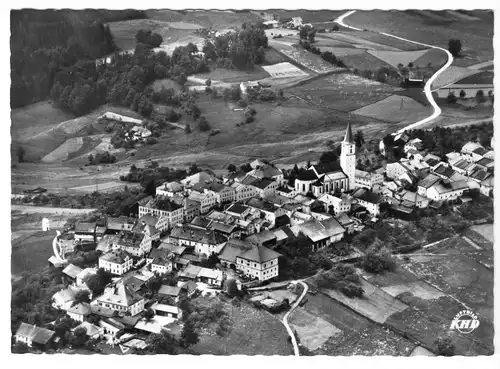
[
  {"x": 273, "y": 56},
  {"x": 254, "y": 332},
  {"x": 396, "y": 57},
  {"x": 357, "y": 336},
  {"x": 434, "y": 28},
  {"x": 485, "y": 230},
  {"x": 231, "y": 75},
  {"x": 343, "y": 91},
  {"x": 436, "y": 57},
  {"x": 365, "y": 61},
  {"x": 207, "y": 19},
  {"x": 62, "y": 152},
  {"x": 395, "y": 109},
  {"x": 383, "y": 40},
  {"x": 355, "y": 41},
  {"x": 451, "y": 75},
  {"x": 309, "y": 16},
  {"x": 53, "y": 136},
  {"x": 284, "y": 70},
  {"x": 124, "y": 31},
  {"x": 482, "y": 78}
]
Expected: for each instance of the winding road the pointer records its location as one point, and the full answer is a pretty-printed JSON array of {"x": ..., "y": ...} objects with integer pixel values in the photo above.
[
  {"x": 427, "y": 88},
  {"x": 285, "y": 318}
]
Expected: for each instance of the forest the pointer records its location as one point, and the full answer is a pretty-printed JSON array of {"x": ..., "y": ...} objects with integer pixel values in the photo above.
[{"x": 44, "y": 42}]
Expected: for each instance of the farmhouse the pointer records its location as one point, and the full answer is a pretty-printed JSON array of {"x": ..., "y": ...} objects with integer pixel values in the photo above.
[
  {"x": 222, "y": 193},
  {"x": 85, "y": 232},
  {"x": 121, "y": 299},
  {"x": 426, "y": 183},
  {"x": 136, "y": 244},
  {"x": 202, "y": 242},
  {"x": 269, "y": 172},
  {"x": 371, "y": 201},
  {"x": 367, "y": 179},
  {"x": 335, "y": 204},
  {"x": 34, "y": 336},
  {"x": 122, "y": 223},
  {"x": 206, "y": 200},
  {"x": 321, "y": 233},
  {"x": 169, "y": 189},
  {"x": 80, "y": 311}
]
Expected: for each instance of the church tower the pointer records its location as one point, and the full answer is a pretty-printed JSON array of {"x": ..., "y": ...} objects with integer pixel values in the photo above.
[{"x": 348, "y": 156}]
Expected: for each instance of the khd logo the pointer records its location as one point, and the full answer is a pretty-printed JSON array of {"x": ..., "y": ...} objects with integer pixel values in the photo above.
[{"x": 465, "y": 321}]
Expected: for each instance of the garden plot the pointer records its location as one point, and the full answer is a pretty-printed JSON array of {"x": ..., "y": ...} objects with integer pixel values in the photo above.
[
  {"x": 375, "y": 304},
  {"x": 357, "y": 42},
  {"x": 459, "y": 276},
  {"x": 435, "y": 57},
  {"x": 485, "y": 230},
  {"x": 284, "y": 70},
  {"x": 62, "y": 152},
  {"x": 309, "y": 60},
  {"x": 394, "y": 108},
  {"x": 386, "y": 40},
  {"x": 343, "y": 91},
  {"x": 365, "y": 61},
  {"x": 396, "y": 57},
  {"x": 312, "y": 330}
]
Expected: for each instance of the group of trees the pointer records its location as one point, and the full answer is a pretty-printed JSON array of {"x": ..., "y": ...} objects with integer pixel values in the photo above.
[
  {"x": 101, "y": 158},
  {"x": 343, "y": 278},
  {"x": 44, "y": 42},
  {"x": 240, "y": 50},
  {"x": 148, "y": 38},
  {"x": 326, "y": 55},
  {"x": 377, "y": 262},
  {"x": 480, "y": 96},
  {"x": 454, "y": 47}
]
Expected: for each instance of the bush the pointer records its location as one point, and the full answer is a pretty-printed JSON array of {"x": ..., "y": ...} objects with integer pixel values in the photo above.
[
  {"x": 445, "y": 346},
  {"x": 249, "y": 119},
  {"x": 377, "y": 263}
]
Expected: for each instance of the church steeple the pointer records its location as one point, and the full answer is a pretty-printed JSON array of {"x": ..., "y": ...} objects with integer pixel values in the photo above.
[{"x": 348, "y": 138}]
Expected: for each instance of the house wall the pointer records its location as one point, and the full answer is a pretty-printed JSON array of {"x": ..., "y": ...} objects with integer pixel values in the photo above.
[
  {"x": 373, "y": 209},
  {"x": 262, "y": 271},
  {"x": 24, "y": 339},
  {"x": 77, "y": 317},
  {"x": 395, "y": 170},
  {"x": 161, "y": 269},
  {"x": 451, "y": 195},
  {"x": 116, "y": 268}
]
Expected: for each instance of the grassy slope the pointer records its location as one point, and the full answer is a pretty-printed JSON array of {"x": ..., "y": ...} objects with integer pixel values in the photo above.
[
  {"x": 207, "y": 19},
  {"x": 428, "y": 28}
]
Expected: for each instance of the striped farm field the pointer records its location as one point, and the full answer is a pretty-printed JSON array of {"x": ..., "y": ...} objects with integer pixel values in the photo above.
[
  {"x": 386, "y": 40},
  {"x": 341, "y": 52},
  {"x": 394, "y": 108},
  {"x": 482, "y": 78},
  {"x": 396, "y": 57},
  {"x": 365, "y": 61},
  {"x": 451, "y": 75},
  {"x": 62, "y": 152},
  {"x": 357, "y": 41}
]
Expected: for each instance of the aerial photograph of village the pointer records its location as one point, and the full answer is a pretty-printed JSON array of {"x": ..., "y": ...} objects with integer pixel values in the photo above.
[{"x": 252, "y": 182}]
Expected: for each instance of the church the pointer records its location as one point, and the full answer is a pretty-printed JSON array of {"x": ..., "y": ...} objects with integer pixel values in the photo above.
[{"x": 332, "y": 177}]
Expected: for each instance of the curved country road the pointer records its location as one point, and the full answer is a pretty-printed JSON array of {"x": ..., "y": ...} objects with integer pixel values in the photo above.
[
  {"x": 285, "y": 319},
  {"x": 54, "y": 247},
  {"x": 427, "y": 88}
]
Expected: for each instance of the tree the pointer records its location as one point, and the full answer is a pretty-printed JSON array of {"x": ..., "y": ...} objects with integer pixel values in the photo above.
[
  {"x": 224, "y": 329},
  {"x": 79, "y": 337},
  {"x": 246, "y": 168},
  {"x": 480, "y": 96},
  {"x": 149, "y": 315},
  {"x": 462, "y": 94},
  {"x": 454, "y": 46},
  {"x": 203, "y": 124},
  {"x": 451, "y": 98},
  {"x": 231, "y": 288},
  {"x": 20, "y": 154},
  {"x": 359, "y": 138},
  {"x": 445, "y": 346},
  {"x": 20, "y": 348},
  {"x": 208, "y": 82},
  {"x": 187, "y": 130},
  {"x": 231, "y": 168},
  {"x": 328, "y": 157},
  {"x": 161, "y": 343},
  {"x": 377, "y": 263},
  {"x": 189, "y": 336},
  {"x": 81, "y": 296}
]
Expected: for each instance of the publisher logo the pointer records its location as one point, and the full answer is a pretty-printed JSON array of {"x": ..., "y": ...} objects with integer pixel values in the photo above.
[{"x": 465, "y": 321}]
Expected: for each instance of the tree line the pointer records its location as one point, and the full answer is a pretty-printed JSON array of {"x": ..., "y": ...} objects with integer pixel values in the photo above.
[{"x": 44, "y": 42}]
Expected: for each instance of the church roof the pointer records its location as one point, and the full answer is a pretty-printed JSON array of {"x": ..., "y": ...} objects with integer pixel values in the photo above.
[{"x": 348, "y": 134}]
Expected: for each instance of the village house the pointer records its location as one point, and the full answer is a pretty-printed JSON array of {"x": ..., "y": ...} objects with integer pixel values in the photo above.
[
  {"x": 169, "y": 189},
  {"x": 369, "y": 200},
  {"x": 335, "y": 205},
  {"x": 161, "y": 261},
  {"x": 243, "y": 192},
  {"x": 233, "y": 177},
  {"x": 121, "y": 299},
  {"x": 203, "y": 242},
  {"x": 111, "y": 326},
  {"x": 472, "y": 152},
  {"x": 446, "y": 190},
  {"x": 286, "y": 191},
  {"x": 426, "y": 183},
  {"x": 414, "y": 198},
  {"x": 163, "y": 207},
  {"x": 201, "y": 177},
  {"x": 226, "y": 230},
  {"x": 206, "y": 200},
  {"x": 148, "y": 230},
  {"x": 367, "y": 179},
  {"x": 92, "y": 331},
  {"x": 415, "y": 155},
  {"x": 170, "y": 292},
  {"x": 487, "y": 186},
  {"x": 222, "y": 193},
  {"x": 122, "y": 223},
  {"x": 81, "y": 277},
  {"x": 320, "y": 233},
  {"x": 265, "y": 238},
  {"x": 347, "y": 223},
  {"x": 267, "y": 209},
  {"x": 80, "y": 311},
  {"x": 453, "y": 157},
  {"x": 116, "y": 262},
  {"x": 136, "y": 244},
  {"x": 414, "y": 144},
  {"x": 267, "y": 171},
  {"x": 188, "y": 287},
  {"x": 396, "y": 169},
  {"x": 167, "y": 310},
  {"x": 254, "y": 261},
  {"x": 158, "y": 222},
  {"x": 71, "y": 271},
  {"x": 85, "y": 232},
  {"x": 305, "y": 202},
  {"x": 443, "y": 170},
  {"x": 239, "y": 211},
  {"x": 298, "y": 217},
  {"x": 463, "y": 167},
  {"x": 486, "y": 164},
  {"x": 64, "y": 298},
  {"x": 34, "y": 336},
  {"x": 265, "y": 187}
]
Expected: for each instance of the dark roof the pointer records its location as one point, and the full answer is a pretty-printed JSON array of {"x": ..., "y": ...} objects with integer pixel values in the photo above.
[
  {"x": 237, "y": 208},
  {"x": 130, "y": 239},
  {"x": 284, "y": 189},
  {"x": 169, "y": 290},
  {"x": 85, "y": 227},
  {"x": 367, "y": 196},
  {"x": 323, "y": 168},
  {"x": 233, "y": 248},
  {"x": 262, "y": 237},
  {"x": 134, "y": 283},
  {"x": 479, "y": 174},
  {"x": 444, "y": 171},
  {"x": 262, "y": 205},
  {"x": 432, "y": 161},
  {"x": 164, "y": 204},
  {"x": 485, "y": 162},
  {"x": 259, "y": 254},
  {"x": 198, "y": 235},
  {"x": 307, "y": 175},
  {"x": 428, "y": 181},
  {"x": 480, "y": 151},
  {"x": 200, "y": 221},
  {"x": 348, "y": 133}
]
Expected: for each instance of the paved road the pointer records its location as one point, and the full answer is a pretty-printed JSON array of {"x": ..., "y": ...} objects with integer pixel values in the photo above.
[
  {"x": 427, "y": 89},
  {"x": 285, "y": 319}
]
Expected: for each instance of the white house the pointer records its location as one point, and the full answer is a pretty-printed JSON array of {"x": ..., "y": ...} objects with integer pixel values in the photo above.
[
  {"x": 447, "y": 190},
  {"x": 116, "y": 262},
  {"x": 370, "y": 200},
  {"x": 80, "y": 311},
  {"x": 121, "y": 299},
  {"x": 322, "y": 233},
  {"x": 367, "y": 179},
  {"x": 338, "y": 205},
  {"x": 163, "y": 207},
  {"x": 31, "y": 334}
]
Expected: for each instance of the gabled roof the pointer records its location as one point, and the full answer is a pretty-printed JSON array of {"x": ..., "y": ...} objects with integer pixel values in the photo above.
[
  {"x": 261, "y": 237},
  {"x": 266, "y": 171},
  {"x": 163, "y": 204},
  {"x": 36, "y": 334},
  {"x": 428, "y": 181},
  {"x": 262, "y": 205},
  {"x": 233, "y": 248},
  {"x": 90, "y": 328},
  {"x": 82, "y": 308},
  {"x": 130, "y": 239},
  {"x": 480, "y": 151},
  {"x": 189, "y": 286},
  {"x": 166, "y": 308},
  {"x": 164, "y": 246},
  {"x": 172, "y": 187},
  {"x": 326, "y": 168},
  {"x": 85, "y": 227},
  {"x": 470, "y": 147},
  {"x": 72, "y": 271},
  {"x": 317, "y": 230},
  {"x": 200, "y": 221},
  {"x": 479, "y": 174},
  {"x": 116, "y": 257},
  {"x": 120, "y": 295},
  {"x": 237, "y": 208},
  {"x": 444, "y": 170},
  {"x": 169, "y": 290},
  {"x": 196, "y": 178},
  {"x": 117, "y": 224},
  {"x": 485, "y": 162},
  {"x": 132, "y": 282},
  {"x": 344, "y": 219},
  {"x": 260, "y": 254},
  {"x": 368, "y": 196}
]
